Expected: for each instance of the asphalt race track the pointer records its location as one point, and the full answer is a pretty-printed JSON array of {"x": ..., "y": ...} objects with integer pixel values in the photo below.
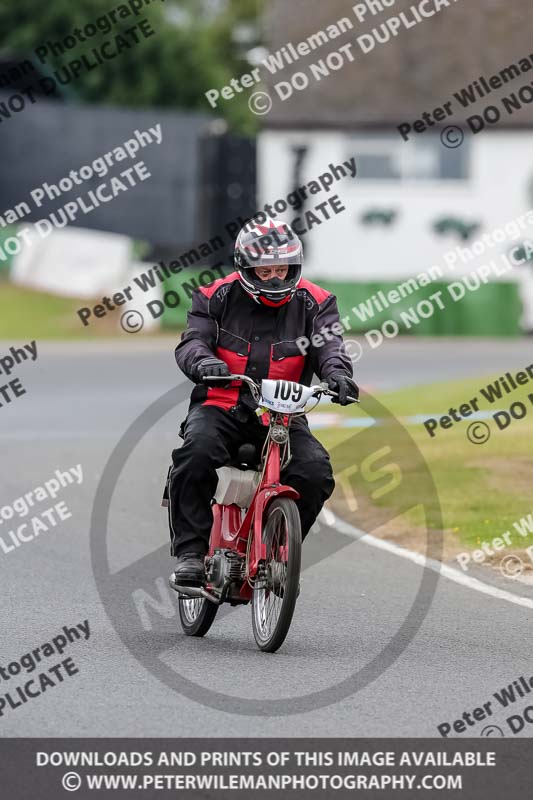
[{"x": 81, "y": 398}]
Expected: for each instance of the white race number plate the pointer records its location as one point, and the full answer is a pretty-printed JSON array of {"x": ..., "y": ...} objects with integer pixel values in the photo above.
[{"x": 285, "y": 396}]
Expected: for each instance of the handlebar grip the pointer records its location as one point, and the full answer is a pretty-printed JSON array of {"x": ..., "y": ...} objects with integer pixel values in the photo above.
[
  {"x": 214, "y": 380},
  {"x": 336, "y": 394}
]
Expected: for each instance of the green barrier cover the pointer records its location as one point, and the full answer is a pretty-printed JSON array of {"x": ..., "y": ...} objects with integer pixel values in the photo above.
[
  {"x": 493, "y": 310},
  {"x": 5, "y": 233},
  {"x": 178, "y": 290}
]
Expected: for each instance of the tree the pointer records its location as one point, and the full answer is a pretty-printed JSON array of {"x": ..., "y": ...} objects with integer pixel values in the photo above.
[{"x": 172, "y": 68}]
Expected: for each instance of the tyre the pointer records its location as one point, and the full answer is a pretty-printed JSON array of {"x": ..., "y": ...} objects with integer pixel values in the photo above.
[
  {"x": 276, "y": 588},
  {"x": 196, "y": 615}
]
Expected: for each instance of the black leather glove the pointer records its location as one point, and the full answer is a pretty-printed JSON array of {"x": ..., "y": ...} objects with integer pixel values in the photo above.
[
  {"x": 345, "y": 387},
  {"x": 212, "y": 368}
]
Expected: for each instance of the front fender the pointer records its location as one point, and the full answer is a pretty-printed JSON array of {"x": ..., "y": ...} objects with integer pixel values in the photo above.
[{"x": 263, "y": 500}]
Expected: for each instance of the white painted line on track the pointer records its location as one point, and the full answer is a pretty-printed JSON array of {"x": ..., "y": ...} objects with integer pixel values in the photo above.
[{"x": 329, "y": 518}]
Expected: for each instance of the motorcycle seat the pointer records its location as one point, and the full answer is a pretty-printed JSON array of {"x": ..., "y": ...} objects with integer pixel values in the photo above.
[{"x": 246, "y": 458}]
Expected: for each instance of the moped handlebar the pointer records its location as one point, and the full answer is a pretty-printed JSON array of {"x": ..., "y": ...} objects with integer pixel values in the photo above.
[
  {"x": 255, "y": 387},
  {"x": 326, "y": 390}
]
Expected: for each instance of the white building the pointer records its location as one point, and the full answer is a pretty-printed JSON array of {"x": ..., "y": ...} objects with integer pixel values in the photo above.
[{"x": 413, "y": 203}]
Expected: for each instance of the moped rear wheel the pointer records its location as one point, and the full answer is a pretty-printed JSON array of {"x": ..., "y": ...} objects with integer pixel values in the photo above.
[
  {"x": 196, "y": 615},
  {"x": 276, "y": 587}
]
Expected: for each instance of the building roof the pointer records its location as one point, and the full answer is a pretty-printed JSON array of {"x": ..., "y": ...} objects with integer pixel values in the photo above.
[{"x": 416, "y": 71}]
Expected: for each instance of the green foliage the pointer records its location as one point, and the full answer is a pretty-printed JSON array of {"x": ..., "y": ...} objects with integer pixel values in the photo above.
[{"x": 173, "y": 68}]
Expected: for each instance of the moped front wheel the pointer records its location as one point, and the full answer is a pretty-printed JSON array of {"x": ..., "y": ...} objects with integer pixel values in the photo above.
[
  {"x": 276, "y": 586},
  {"x": 196, "y": 615}
]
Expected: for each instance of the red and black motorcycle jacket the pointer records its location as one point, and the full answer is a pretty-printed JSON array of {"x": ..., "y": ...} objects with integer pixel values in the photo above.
[{"x": 261, "y": 341}]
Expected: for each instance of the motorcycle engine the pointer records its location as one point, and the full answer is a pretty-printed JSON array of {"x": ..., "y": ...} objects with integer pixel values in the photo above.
[{"x": 225, "y": 565}]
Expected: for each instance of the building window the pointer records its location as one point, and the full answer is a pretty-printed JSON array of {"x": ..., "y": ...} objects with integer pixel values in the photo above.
[{"x": 388, "y": 158}]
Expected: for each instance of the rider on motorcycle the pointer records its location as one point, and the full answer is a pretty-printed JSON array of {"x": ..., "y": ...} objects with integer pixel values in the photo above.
[{"x": 249, "y": 323}]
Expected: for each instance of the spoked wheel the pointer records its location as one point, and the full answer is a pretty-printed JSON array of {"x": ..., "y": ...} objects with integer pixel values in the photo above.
[
  {"x": 196, "y": 615},
  {"x": 276, "y": 590}
]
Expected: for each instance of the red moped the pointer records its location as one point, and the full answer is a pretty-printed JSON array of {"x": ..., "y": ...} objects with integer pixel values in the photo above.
[{"x": 256, "y": 541}]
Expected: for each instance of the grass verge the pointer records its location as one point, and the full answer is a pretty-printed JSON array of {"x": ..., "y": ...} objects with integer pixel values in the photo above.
[
  {"x": 483, "y": 489},
  {"x": 27, "y": 314}
]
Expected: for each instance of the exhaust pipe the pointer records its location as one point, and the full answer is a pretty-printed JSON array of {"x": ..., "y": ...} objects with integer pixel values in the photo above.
[{"x": 193, "y": 591}]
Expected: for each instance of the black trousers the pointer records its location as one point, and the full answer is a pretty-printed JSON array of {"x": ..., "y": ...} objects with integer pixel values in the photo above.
[{"x": 212, "y": 437}]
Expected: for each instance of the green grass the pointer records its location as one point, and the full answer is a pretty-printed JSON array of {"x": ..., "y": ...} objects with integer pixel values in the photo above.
[
  {"x": 482, "y": 489},
  {"x": 26, "y": 314},
  {"x": 33, "y": 315}
]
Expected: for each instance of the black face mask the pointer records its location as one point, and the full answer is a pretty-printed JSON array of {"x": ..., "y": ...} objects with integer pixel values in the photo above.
[{"x": 273, "y": 283}]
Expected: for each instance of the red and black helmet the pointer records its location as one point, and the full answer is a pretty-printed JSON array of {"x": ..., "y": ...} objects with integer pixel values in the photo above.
[{"x": 272, "y": 243}]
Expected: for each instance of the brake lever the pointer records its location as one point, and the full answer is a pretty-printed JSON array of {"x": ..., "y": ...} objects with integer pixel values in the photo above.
[
  {"x": 326, "y": 390},
  {"x": 351, "y": 399},
  {"x": 254, "y": 390}
]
